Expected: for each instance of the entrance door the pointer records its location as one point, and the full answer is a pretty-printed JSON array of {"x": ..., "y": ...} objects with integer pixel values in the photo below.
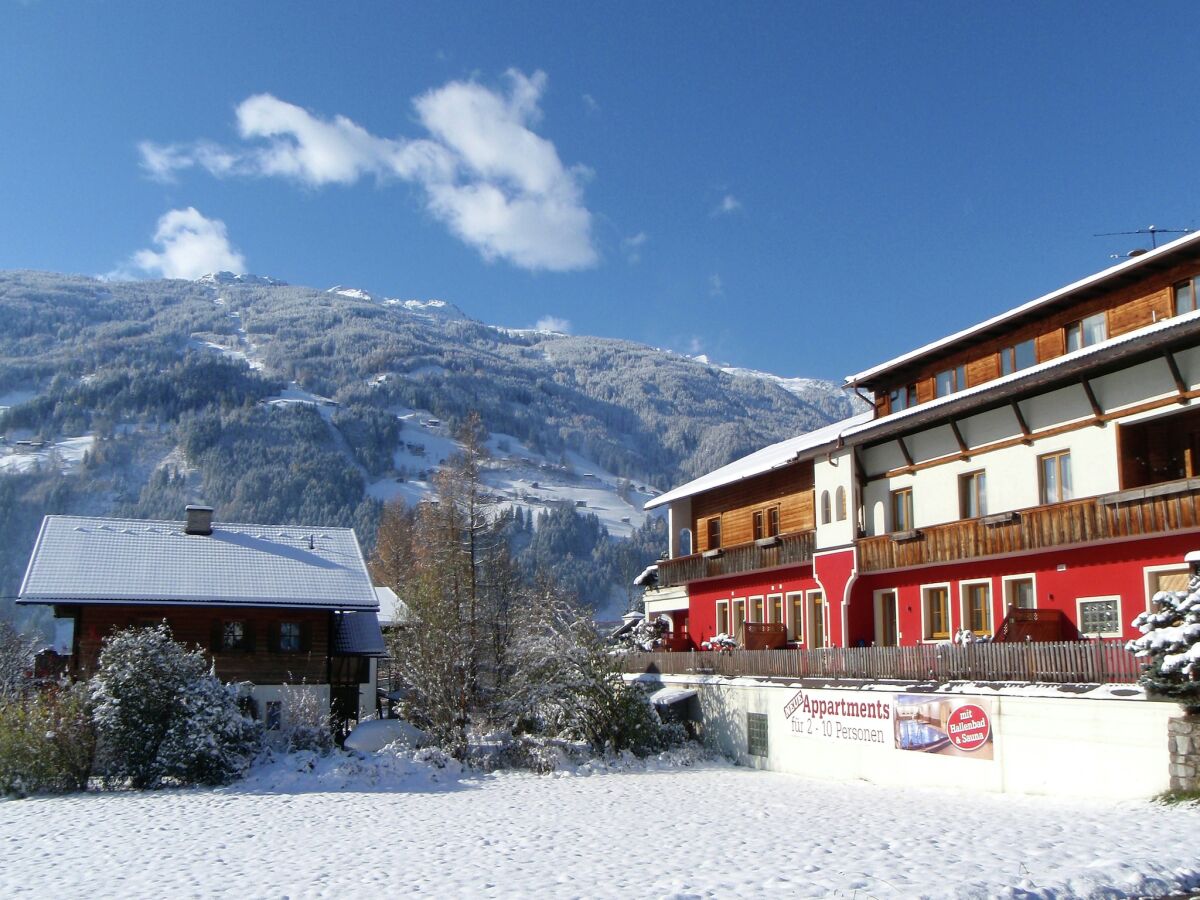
[
  {"x": 885, "y": 620},
  {"x": 816, "y": 619}
]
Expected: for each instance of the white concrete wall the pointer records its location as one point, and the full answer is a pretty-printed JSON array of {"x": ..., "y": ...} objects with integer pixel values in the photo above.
[
  {"x": 836, "y": 470},
  {"x": 1058, "y": 745},
  {"x": 290, "y": 694}
]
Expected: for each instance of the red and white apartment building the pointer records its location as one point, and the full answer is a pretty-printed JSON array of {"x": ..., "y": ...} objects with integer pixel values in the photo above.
[{"x": 1037, "y": 474}]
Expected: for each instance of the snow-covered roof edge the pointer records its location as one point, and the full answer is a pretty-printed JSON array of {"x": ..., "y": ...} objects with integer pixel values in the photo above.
[
  {"x": 770, "y": 457},
  {"x": 944, "y": 342}
]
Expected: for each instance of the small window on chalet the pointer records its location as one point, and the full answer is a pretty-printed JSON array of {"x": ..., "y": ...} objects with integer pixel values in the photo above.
[
  {"x": 902, "y": 510},
  {"x": 972, "y": 495},
  {"x": 826, "y": 508},
  {"x": 289, "y": 637},
  {"x": 760, "y": 524},
  {"x": 839, "y": 503},
  {"x": 235, "y": 636},
  {"x": 714, "y": 532},
  {"x": 950, "y": 381},
  {"x": 1019, "y": 356},
  {"x": 902, "y": 398},
  {"x": 936, "y": 603},
  {"x": 1086, "y": 332},
  {"x": 773, "y": 521},
  {"x": 1185, "y": 295},
  {"x": 1054, "y": 475}
]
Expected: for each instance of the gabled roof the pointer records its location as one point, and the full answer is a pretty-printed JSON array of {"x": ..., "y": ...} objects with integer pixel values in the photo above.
[
  {"x": 96, "y": 560},
  {"x": 1146, "y": 260},
  {"x": 766, "y": 459},
  {"x": 357, "y": 634}
]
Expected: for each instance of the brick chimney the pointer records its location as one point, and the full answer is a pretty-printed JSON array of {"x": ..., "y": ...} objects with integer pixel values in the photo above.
[{"x": 199, "y": 520}]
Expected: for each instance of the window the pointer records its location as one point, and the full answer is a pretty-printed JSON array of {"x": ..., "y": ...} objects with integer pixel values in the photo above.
[
  {"x": 1165, "y": 578},
  {"x": 739, "y": 620},
  {"x": 972, "y": 495},
  {"x": 1086, "y": 332},
  {"x": 816, "y": 619},
  {"x": 235, "y": 636},
  {"x": 825, "y": 508},
  {"x": 796, "y": 611},
  {"x": 756, "y": 609},
  {"x": 1054, "y": 470},
  {"x": 1099, "y": 616},
  {"x": 722, "y": 617},
  {"x": 289, "y": 637},
  {"x": 714, "y": 533},
  {"x": 273, "y": 719},
  {"x": 760, "y": 525},
  {"x": 977, "y": 607},
  {"x": 1019, "y": 592},
  {"x": 935, "y": 608},
  {"x": 902, "y": 510},
  {"x": 773, "y": 521},
  {"x": 756, "y": 734},
  {"x": 1185, "y": 296},
  {"x": 950, "y": 381},
  {"x": 840, "y": 504},
  {"x": 903, "y": 398},
  {"x": 1017, "y": 357},
  {"x": 887, "y": 633},
  {"x": 775, "y": 608},
  {"x": 766, "y": 522}
]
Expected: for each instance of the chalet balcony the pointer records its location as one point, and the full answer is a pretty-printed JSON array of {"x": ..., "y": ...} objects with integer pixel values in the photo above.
[
  {"x": 1152, "y": 510},
  {"x": 769, "y": 553}
]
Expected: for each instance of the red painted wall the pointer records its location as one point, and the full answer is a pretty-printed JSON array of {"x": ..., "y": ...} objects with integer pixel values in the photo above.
[
  {"x": 1095, "y": 571},
  {"x": 835, "y": 571},
  {"x": 703, "y": 595}
]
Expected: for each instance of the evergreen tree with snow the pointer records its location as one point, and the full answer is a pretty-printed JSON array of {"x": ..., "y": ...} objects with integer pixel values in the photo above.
[{"x": 1171, "y": 642}]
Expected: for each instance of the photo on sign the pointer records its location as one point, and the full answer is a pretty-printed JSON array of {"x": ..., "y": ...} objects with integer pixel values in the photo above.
[{"x": 947, "y": 726}]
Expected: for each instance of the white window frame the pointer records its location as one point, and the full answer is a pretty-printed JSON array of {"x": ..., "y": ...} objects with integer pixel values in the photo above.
[
  {"x": 1030, "y": 576},
  {"x": 738, "y": 633},
  {"x": 877, "y": 605},
  {"x": 965, "y": 618},
  {"x": 728, "y": 621},
  {"x": 1150, "y": 576},
  {"x": 1079, "y": 601},
  {"x": 795, "y": 629},
  {"x": 782, "y": 610},
  {"x": 808, "y": 602},
  {"x": 933, "y": 586},
  {"x": 762, "y": 605}
]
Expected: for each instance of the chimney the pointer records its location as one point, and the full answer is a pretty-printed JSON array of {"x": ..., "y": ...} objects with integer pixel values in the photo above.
[{"x": 199, "y": 520}]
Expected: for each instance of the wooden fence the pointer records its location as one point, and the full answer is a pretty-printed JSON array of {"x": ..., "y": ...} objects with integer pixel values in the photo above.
[{"x": 1059, "y": 662}]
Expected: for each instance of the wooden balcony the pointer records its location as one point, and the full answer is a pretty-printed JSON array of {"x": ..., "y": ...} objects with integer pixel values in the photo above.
[
  {"x": 1156, "y": 509},
  {"x": 789, "y": 549}
]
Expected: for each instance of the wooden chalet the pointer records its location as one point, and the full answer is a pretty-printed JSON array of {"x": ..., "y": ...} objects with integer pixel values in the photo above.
[
  {"x": 1033, "y": 476},
  {"x": 283, "y": 608}
]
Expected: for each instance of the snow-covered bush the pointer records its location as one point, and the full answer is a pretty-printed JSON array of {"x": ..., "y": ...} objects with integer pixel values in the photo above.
[
  {"x": 1171, "y": 642},
  {"x": 160, "y": 713},
  {"x": 721, "y": 642},
  {"x": 305, "y": 725},
  {"x": 46, "y": 741},
  {"x": 16, "y": 661},
  {"x": 647, "y": 634}
]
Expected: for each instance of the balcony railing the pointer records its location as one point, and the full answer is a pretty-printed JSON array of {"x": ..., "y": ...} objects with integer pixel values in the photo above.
[
  {"x": 790, "y": 549},
  {"x": 1059, "y": 662},
  {"x": 1151, "y": 510}
]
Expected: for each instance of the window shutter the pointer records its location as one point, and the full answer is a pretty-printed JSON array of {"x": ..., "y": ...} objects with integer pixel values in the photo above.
[
  {"x": 305, "y": 636},
  {"x": 248, "y": 637}
]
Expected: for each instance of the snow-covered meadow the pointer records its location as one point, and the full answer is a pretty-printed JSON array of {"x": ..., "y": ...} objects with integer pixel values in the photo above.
[{"x": 386, "y": 825}]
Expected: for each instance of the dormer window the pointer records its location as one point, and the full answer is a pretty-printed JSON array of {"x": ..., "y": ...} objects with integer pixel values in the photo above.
[
  {"x": 903, "y": 398},
  {"x": 1086, "y": 332},
  {"x": 951, "y": 381},
  {"x": 1017, "y": 357},
  {"x": 1185, "y": 296}
]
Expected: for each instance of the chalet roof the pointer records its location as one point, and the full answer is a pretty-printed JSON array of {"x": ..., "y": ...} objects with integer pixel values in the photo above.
[
  {"x": 357, "y": 634},
  {"x": 764, "y": 460},
  {"x": 392, "y": 610},
  {"x": 96, "y": 560},
  {"x": 1147, "y": 260}
]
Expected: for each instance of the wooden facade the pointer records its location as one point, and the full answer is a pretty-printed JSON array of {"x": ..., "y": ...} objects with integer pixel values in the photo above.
[
  {"x": 788, "y": 490},
  {"x": 261, "y": 662},
  {"x": 1143, "y": 302}
]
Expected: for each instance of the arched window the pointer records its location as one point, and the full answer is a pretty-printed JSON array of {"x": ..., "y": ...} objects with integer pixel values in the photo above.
[
  {"x": 685, "y": 542},
  {"x": 840, "y": 499},
  {"x": 825, "y": 516}
]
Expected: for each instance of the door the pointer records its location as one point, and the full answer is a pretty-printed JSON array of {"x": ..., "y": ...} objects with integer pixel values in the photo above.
[
  {"x": 885, "y": 630},
  {"x": 816, "y": 619}
]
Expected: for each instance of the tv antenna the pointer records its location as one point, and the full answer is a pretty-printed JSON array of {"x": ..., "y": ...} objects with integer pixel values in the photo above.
[{"x": 1153, "y": 230}]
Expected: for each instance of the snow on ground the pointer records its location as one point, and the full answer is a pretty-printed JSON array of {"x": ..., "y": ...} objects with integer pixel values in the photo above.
[
  {"x": 24, "y": 458},
  {"x": 388, "y": 826}
]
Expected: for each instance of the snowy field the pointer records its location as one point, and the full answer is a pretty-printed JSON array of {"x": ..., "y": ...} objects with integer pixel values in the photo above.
[{"x": 389, "y": 827}]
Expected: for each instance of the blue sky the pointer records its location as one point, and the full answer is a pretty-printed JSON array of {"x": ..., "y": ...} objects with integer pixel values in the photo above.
[{"x": 803, "y": 188}]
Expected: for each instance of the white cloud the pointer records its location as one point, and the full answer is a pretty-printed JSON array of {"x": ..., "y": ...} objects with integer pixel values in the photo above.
[
  {"x": 633, "y": 246},
  {"x": 553, "y": 323},
  {"x": 486, "y": 175},
  {"x": 729, "y": 204},
  {"x": 716, "y": 287},
  {"x": 189, "y": 245}
]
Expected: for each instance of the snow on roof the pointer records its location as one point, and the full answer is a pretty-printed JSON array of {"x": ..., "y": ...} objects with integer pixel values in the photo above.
[
  {"x": 669, "y": 695},
  {"x": 650, "y": 572},
  {"x": 764, "y": 460},
  {"x": 357, "y": 634},
  {"x": 1098, "y": 277},
  {"x": 96, "y": 560},
  {"x": 392, "y": 610}
]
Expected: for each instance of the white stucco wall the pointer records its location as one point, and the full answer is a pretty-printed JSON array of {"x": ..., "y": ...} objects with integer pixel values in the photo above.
[
  {"x": 1062, "y": 745},
  {"x": 836, "y": 470}
]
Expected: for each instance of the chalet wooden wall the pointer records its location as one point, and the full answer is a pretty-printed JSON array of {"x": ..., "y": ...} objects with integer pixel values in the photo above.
[
  {"x": 1126, "y": 309},
  {"x": 194, "y": 625},
  {"x": 790, "y": 488}
]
